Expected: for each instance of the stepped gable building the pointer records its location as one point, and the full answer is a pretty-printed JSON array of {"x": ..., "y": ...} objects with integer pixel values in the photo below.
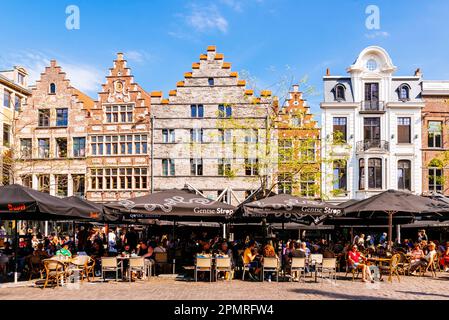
[
  {"x": 13, "y": 96},
  {"x": 298, "y": 148},
  {"x": 50, "y": 136},
  {"x": 118, "y": 160},
  {"x": 435, "y": 137},
  {"x": 209, "y": 132},
  {"x": 371, "y": 129}
]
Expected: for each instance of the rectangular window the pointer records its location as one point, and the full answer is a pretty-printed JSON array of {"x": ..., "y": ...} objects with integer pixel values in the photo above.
[
  {"x": 371, "y": 131},
  {"x": 141, "y": 178},
  {"x": 44, "y": 148},
  {"x": 61, "y": 147},
  {"x": 404, "y": 130},
  {"x": 26, "y": 148},
  {"x": 285, "y": 150},
  {"x": 140, "y": 144},
  {"x": 435, "y": 133},
  {"x": 375, "y": 173},
  {"x": 61, "y": 185},
  {"x": 251, "y": 136},
  {"x": 168, "y": 135},
  {"x": 6, "y": 135},
  {"x": 224, "y": 135},
  {"x": 119, "y": 114},
  {"x": 435, "y": 180},
  {"x": 224, "y": 111},
  {"x": 168, "y": 167},
  {"x": 196, "y": 135},
  {"x": 79, "y": 185},
  {"x": 79, "y": 147},
  {"x": 44, "y": 118},
  {"x": 196, "y": 167},
  {"x": 224, "y": 167},
  {"x": 404, "y": 175},
  {"x": 6, "y": 99},
  {"x": 251, "y": 167},
  {"x": 340, "y": 129},
  {"x": 307, "y": 184},
  {"x": 20, "y": 78},
  {"x": 43, "y": 183},
  {"x": 285, "y": 183},
  {"x": 17, "y": 103},
  {"x": 27, "y": 181},
  {"x": 308, "y": 151},
  {"x": 340, "y": 181},
  {"x": 97, "y": 180},
  {"x": 62, "y": 117},
  {"x": 197, "y": 111}
]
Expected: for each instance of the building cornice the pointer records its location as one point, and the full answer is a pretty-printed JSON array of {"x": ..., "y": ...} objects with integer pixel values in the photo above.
[
  {"x": 339, "y": 105},
  {"x": 5, "y": 81}
]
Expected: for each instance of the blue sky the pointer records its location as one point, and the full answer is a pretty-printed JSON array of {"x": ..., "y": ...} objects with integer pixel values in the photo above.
[{"x": 270, "y": 40}]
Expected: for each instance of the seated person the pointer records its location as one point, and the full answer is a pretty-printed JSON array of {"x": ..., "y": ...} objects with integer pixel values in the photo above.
[
  {"x": 225, "y": 252},
  {"x": 269, "y": 252},
  {"x": 357, "y": 261},
  {"x": 424, "y": 260},
  {"x": 7, "y": 250},
  {"x": 64, "y": 251},
  {"x": 40, "y": 252},
  {"x": 249, "y": 260}
]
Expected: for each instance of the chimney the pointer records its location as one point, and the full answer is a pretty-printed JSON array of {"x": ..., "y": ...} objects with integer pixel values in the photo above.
[{"x": 328, "y": 72}]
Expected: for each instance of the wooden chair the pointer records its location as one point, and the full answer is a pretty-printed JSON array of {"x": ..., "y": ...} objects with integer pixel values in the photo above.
[
  {"x": 298, "y": 266},
  {"x": 90, "y": 268},
  {"x": 223, "y": 265},
  {"x": 203, "y": 265},
  {"x": 355, "y": 271},
  {"x": 392, "y": 268},
  {"x": 79, "y": 265},
  {"x": 54, "y": 271},
  {"x": 270, "y": 264},
  {"x": 404, "y": 264},
  {"x": 36, "y": 267}
]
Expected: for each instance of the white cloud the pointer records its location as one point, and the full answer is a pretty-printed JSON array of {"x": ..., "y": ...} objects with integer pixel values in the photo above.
[
  {"x": 206, "y": 18},
  {"x": 82, "y": 76},
  {"x": 377, "y": 34},
  {"x": 233, "y": 4},
  {"x": 138, "y": 56}
]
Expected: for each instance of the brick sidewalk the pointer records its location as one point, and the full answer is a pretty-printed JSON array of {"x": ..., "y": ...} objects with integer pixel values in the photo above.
[{"x": 410, "y": 288}]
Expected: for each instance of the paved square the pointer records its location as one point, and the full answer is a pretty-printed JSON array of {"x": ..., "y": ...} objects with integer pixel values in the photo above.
[{"x": 410, "y": 288}]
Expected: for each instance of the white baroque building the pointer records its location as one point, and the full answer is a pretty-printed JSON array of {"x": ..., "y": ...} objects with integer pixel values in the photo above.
[{"x": 371, "y": 129}]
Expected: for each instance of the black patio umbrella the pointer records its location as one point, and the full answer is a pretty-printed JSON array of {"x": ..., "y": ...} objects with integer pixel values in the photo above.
[
  {"x": 284, "y": 208},
  {"x": 22, "y": 203},
  {"x": 90, "y": 205},
  {"x": 396, "y": 207},
  {"x": 171, "y": 205}
]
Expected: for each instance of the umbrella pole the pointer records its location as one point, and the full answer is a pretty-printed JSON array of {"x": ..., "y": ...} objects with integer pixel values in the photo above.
[
  {"x": 390, "y": 229},
  {"x": 16, "y": 249}
]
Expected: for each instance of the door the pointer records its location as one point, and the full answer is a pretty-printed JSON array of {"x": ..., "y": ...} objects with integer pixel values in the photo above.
[{"x": 371, "y": 129}]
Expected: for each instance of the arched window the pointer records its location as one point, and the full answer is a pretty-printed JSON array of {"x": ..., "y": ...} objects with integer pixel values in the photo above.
[
  {"x": 404, "y": 92},
  {"x": 52, "y": 88},
  {"x": 340, "y": 92},
  {"x": 375, "y": 173},
  {"x": 404, "y": 175}
]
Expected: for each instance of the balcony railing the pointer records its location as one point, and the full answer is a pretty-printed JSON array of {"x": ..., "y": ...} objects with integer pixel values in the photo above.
[
  {"x": 366, "y": 145},
  {"x": 373, "y": 106}
]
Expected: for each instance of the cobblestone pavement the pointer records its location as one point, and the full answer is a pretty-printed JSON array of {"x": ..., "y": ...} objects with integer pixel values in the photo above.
[{"x": 410, "y": 288}]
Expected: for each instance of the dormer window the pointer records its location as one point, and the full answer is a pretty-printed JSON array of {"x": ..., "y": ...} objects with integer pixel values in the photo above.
[
  {"x": 340, "y": 92},
  {"x": 52, "y": 88},
  {"x": 21, "y": 78},
  {"x": 404, "y": 92}
]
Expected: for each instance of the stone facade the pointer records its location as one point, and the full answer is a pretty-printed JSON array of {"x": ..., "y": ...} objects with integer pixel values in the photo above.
[
  {"x": 298, "y": 138},
  {"x": 208, "y": 131},
  {"x": 435, "y": 137},
  {"x": 13, "y": 96},
  {"x": 118, "y": 161},
  {"x": 50, "y": 136}
]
